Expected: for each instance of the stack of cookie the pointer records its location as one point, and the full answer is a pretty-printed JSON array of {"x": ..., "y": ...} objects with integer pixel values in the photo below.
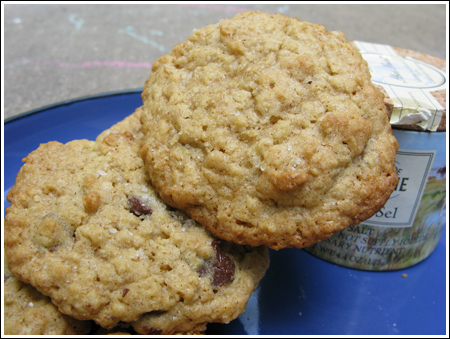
[
  {"x": 261, "y": 131},
  {"x": 87, "y": 228}
]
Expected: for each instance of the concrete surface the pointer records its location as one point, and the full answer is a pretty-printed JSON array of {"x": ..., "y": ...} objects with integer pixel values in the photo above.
[{"x": 56, "y": 52}]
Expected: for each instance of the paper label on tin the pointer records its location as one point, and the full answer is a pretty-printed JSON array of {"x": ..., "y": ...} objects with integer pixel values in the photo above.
[
  {"x": 408, "y": 83},
  {"x": 413, "y": 168}
]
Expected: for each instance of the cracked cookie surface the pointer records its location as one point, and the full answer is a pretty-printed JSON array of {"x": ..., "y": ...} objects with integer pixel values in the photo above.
[
  {"x": 86, "y": 228},
  {"x": 267, "y": 130}
]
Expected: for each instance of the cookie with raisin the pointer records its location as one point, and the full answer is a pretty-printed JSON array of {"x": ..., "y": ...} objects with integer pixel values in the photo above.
[
  {"x": 268, "y": 130},
  {"x": 86, "y": 228}
]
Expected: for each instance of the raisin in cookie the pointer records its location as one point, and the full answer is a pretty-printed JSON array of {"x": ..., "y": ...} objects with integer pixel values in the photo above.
[
  {"x": 86, "y": 228},
  {"x": 28, "y": 312},
  {"x": 267, "y": 130}
]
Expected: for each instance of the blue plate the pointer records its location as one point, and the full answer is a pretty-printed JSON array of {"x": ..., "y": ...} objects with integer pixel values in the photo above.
[{"x": 300, "y": 294}]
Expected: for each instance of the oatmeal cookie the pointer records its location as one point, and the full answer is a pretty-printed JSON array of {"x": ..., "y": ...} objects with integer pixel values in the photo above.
[
  {"x": 28, "y": 312},
  {"x": 267, "y": 130},
  {"x": 87, "y": 229}
]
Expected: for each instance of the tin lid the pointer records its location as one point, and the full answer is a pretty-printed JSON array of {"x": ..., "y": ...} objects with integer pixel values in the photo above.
[{"x": 414, "y": 85}]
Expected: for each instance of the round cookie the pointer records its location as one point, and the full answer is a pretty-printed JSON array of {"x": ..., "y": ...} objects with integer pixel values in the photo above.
[
  {"x": 28, "y": 312},
  {"x": 86, "y": 228},
  {"x": 267, "y": 130}
]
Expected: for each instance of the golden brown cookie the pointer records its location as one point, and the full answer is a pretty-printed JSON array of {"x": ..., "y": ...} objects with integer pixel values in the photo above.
[
  {"x": 86, "y": 228},
  {"x": 267, "y": 130},
  {"x": 28, "y": 312}
]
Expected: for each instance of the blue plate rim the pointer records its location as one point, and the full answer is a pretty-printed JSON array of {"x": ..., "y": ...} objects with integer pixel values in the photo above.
[{"x": 71, "y": 101}]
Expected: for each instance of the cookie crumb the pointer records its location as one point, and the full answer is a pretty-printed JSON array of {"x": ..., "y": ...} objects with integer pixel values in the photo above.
[{"x": 404, "y": 275}]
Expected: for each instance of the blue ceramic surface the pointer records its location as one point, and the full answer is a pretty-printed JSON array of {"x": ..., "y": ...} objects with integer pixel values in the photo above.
[{"x": 300, "y": 294}]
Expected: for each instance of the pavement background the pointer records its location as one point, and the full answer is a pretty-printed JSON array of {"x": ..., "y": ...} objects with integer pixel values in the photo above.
[{"x": 57, "y": 52}]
